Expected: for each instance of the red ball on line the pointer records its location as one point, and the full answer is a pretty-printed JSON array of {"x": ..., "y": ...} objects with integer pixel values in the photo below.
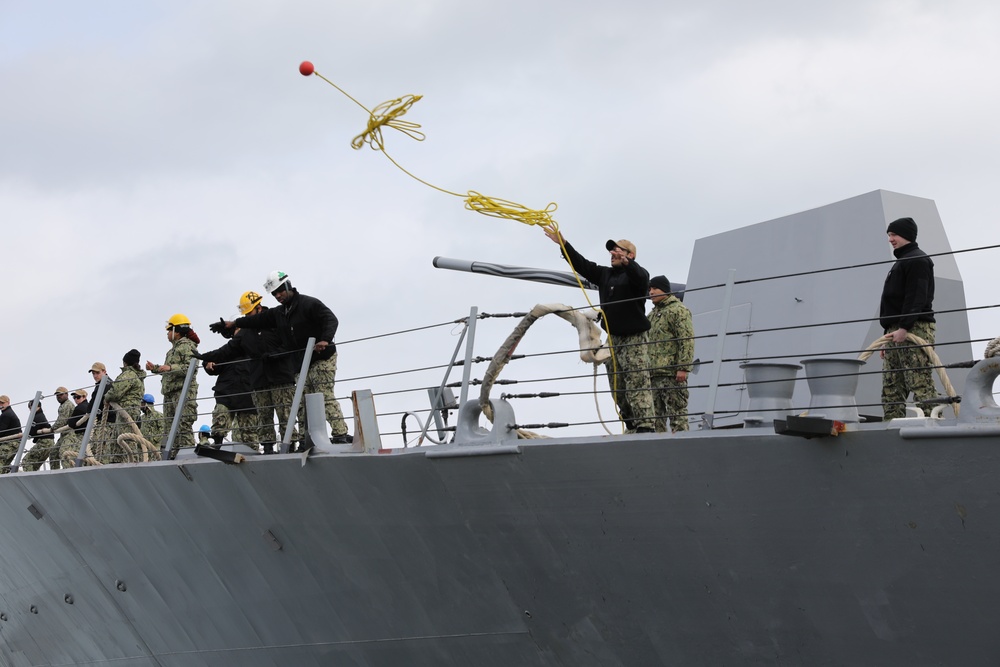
[{"x": 306, "y": 68}]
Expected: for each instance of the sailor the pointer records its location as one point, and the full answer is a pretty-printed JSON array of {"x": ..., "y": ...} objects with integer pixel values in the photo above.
[
  {"x": 300, "y": 318},
  {"x": 623, "y": 288},
  {"x": 43, "y": 443},
  {"x": 671, "y": 351},
  {"x": 103, "y": 434},
  {"x": 126, "y": 392},
  {"x": 69, "y": 444},
  {"x": 907, "y": 308},
  {"x": 65, "y": 410},
  {"x": 150, "y": 421},
  {"x": 10, "y": 434},
  {"x": 173, "y": 371}
]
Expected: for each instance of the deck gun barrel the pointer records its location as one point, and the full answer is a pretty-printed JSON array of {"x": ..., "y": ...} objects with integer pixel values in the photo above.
[{"x": 519, "y": 272}]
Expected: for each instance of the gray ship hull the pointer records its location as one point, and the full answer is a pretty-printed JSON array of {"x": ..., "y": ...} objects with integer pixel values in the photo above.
[{"x": 725, "y": 549}]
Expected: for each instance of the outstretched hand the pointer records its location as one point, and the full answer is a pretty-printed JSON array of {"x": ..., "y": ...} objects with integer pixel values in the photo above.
[{"x": 555, "y": 236}]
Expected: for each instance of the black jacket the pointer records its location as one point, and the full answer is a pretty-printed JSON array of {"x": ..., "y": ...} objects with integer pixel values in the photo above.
[
  {"x": 300, "y": 318},
  {"x": 623, "y": 292},
  {"x": 269, "y": 366},
  {"x": 82, "y": 408},
  {"x": 104, "y": 407},
  {"x": 232, "y": 388},
  {"x": 10, "y": 423},
  {"x": 40, "y": 422},
  {"x": 908, "y": 294}
]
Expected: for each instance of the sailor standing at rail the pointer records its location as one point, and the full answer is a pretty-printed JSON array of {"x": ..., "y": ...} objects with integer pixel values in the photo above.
[
  {"x": 623, "y": 288},
  {"x": 126, "y": 391},
  {"x": 10, "y": 434},
  {"x": 671, "y": 351},
  {"x": 183, "y": 344},
  {"x": 150, "y": 421},
  {"x": 300, "y": 318},
  {"x": 62, "y": 417},
  {"x": 907, "y": 308},
  {"x": 69, "y": 444},
  {"x": 43, "y": 443}
]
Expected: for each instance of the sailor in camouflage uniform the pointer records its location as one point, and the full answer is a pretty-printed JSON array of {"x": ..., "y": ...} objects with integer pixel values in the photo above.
[
  {"x": 10, "y": 434},
  {"x": 69, "y": 442},
  {"x": 151, "y": 422},
  {"x": 104, "y": 431},
  {"x": 184, "y": 343},
  {"x": 671, "y": 351},
  {"x": 623, "y": 288},
  {"x": 127, "y": 392},
  {"x": 907, "y": 307},
  {"x": 65, "y": 410}
]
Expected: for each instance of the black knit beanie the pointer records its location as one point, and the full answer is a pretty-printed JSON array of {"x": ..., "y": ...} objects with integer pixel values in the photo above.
[
  {"x": 131, "y": 357},
  {"x": 904, "y": 227},
  {"x": 661, "y": 283}
]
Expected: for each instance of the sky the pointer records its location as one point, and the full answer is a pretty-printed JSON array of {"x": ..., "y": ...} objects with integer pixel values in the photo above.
[{"x": 163, "y": 157}]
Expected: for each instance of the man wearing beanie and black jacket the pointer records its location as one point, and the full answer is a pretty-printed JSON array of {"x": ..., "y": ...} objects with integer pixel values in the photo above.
[{"x": 907, "y": 307}]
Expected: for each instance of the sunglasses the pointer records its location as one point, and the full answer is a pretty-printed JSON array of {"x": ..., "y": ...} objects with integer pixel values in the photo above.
[{"x": 76, "y": 396}]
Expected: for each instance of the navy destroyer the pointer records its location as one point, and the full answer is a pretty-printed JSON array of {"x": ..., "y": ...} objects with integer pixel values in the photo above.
[{"x": 789, "y": 526}]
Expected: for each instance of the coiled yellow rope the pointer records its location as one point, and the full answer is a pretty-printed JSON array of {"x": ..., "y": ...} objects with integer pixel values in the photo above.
[{"x": 389, "y": 114}]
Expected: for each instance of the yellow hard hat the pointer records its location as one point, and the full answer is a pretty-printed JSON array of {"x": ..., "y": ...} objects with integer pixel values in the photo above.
[
  {"x": 249, "y": 301},
  {"x": 178, "y": 320}
]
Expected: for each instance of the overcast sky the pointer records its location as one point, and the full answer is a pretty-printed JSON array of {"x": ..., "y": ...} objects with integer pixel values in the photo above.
[{"x": 160, "y": 157}]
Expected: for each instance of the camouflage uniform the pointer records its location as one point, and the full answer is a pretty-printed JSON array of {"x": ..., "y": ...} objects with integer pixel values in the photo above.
[
  {"x": 65, "y": 410},
  {"x": 320, "y": 380},
  {"x": 898, "y": 382},
  {"x": 243, "y": 424},
  {"x": 671, "y": 350},
  {"x": 630, "y": 385},
  {"x": 8, "y": 450},
  {"x": 151, "y": 425},
  {"x": 69, "y": 448},
  {"x": 178, "y": 358},
  {"x": 270, "y": 402},
  {"x": 127, "y": 391}
]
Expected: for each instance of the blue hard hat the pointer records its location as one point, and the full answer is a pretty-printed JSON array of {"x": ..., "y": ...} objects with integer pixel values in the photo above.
[
  {"x": 205, "y": 428},
  {"x": 148, "y": 398}
]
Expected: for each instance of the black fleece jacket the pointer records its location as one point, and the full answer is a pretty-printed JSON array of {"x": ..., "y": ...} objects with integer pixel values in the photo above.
[
  {"x": 623, "y": 292},
  {"x": 908, "y": 294},
  {"x": 297, "y": 320}
]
